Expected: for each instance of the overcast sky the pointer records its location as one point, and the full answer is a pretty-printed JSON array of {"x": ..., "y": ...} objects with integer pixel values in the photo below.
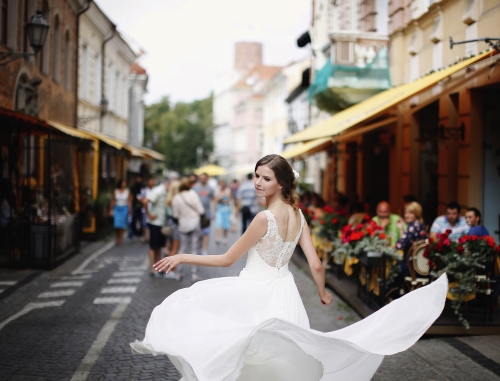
[{"x": 189, "y": 42}]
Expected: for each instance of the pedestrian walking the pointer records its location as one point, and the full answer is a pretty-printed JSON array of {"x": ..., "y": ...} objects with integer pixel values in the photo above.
[
  {"x": 154, "y": 204},
  {"x": 255, "y": 326},
  {"x": 247, "y": 202},
  {"x": 136, "y": 225},
  {"x": 187, "y": 209},
  {"x": 172, "y": 240},
  {"x": 150, "y": 183},
  {"x": 206, "y": 194},
  {"x": 121, "y": 209},
  {"x": 223, "y": 200}
]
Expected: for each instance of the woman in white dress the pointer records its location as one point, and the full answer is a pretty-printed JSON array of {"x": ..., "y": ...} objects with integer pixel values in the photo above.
[{"x": 254, "y": 327}]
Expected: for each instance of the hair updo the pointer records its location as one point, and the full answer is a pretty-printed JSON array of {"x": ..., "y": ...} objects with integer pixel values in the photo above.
[{"x": 285, "y": 177}]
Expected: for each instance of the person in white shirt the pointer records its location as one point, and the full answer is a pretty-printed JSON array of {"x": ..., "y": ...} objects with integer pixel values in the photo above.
[
  {"x": 187, "y": 208},
  {"x": 154, "y": 204}
]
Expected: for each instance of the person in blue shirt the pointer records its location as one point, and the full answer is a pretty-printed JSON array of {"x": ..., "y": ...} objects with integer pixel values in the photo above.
[{"x": 473, "y": 218}]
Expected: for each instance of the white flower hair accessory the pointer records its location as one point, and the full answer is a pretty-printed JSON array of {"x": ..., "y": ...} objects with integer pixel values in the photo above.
[{"x": 296, "y": 174}]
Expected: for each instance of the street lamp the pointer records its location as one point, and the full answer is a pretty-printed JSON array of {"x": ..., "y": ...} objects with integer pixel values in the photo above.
[{"x": 37, "y": 30}]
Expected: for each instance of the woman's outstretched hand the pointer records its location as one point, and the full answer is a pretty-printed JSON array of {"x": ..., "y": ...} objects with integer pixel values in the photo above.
[
  {"x": 326, "y": 298},
  {"x": 168, "y": 264}
]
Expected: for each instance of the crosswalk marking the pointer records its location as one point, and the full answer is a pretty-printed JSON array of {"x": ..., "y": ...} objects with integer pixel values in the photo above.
[
  {"x": 118, "y": 290},
  {"x": 127, "y": 273},
  {"x": 67, "y": 284},
  {"x": 7, "y": 283},
  {"x": 132, "y": 268},
  {"x": 56, "y": 294},
  {"x": 75, "y": 277},
  {"x": 124, "y": 280},
  {"x": 113, "y": 300}
]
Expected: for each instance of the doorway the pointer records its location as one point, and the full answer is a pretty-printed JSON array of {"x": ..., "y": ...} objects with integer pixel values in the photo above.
[{"x": 491, "y": 160}]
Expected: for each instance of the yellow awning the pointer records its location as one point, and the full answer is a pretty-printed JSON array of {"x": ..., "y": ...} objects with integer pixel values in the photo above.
[
  {"x": 106, "y": 139},
  {"x": 304, "y": 148},
  {"x": 378, "y": 103},
  {"x": 153, "y": 154},
  {"x": 70, "y": 130},
  {"x": 135, "y": 151}
]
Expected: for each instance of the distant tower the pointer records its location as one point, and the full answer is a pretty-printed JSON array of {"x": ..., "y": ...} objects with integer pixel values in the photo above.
[{"x": 247, "y": 55}]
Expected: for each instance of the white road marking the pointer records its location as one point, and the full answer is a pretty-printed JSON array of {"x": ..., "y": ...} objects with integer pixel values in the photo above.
[
  {"x": 7, "y": 283},
  {"x": 102, "y": 338},
  {"x": 67, "y": 284},
  {"x": 124, "y": 280},
  {"x": 132, "y": 268},
  {"x": 80, "y": 269},
  {"x": 1, "y": 290},
  {"x": 56, "y": 294},
  {"x": 113, "y": 300},
  {"x": 75, "y": 277},
  {"x": 127, "y": 273},
  {"x": 118, "y": 290},
  {"x": 32, "y": 306}
]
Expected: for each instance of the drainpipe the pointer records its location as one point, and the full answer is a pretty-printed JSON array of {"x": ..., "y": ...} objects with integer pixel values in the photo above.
[
  {"x": 77, "y": 59},
  {"x": 103, "y": 59}
]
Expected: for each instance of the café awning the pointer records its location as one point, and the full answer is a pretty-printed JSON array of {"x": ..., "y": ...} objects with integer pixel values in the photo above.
[
  {"x": 68, "y": 130},
  {"x": 306, "y": 148},
  {"x": 153, "y": 154},
  {"x": 378, "y": 103}
]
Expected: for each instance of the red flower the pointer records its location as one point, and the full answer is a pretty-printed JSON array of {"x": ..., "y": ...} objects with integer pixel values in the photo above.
[
  {"x": 366, "y": 218},
  {"x": 426, "y": 254},
  {"x": 460, "y": 249},
  {"x": 335, "y": 221},
  {"x": 490, "y": 241},
  {"x": 382, "y": 235},
  {"x": 463, "y": 239},
  {"x": 322, "y": 222},
  {"x": 474, "y": 238},
  {"x": 359, "y": 226},
  {"x": 328, "y": 209},
  {"x": 448, "y": 231},
  {"x": 438, "y": 247},
  {"x": 446, "y": 242},
  {"x": 497, "y": 249}
]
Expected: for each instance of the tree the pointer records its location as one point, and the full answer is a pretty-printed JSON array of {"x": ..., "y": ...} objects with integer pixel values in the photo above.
[{"x": 177, "y": 130}]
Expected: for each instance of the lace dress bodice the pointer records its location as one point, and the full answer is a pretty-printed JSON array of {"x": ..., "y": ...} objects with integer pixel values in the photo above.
[{"x": 271, "y": 247}]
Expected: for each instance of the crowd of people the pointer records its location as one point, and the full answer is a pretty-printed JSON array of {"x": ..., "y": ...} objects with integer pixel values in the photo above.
[
  {"x": 178, "y": 214},
  {"x": 403, "y": 231}
]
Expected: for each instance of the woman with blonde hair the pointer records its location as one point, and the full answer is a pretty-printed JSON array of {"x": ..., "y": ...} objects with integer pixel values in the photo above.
[
  {"x": 255, "y": 326},
  {"x": 172, "y": 242},
  {"x": 415, "y": 230}
]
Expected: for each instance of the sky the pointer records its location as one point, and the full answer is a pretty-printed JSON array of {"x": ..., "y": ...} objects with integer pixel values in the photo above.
[{"x": 189, "y": 42}]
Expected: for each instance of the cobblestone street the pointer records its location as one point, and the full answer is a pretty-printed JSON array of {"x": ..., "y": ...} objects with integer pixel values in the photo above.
[{"x": 76, "y": 322}]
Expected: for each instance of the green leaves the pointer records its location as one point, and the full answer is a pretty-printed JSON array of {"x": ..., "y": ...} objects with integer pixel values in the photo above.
[{"x": 177, "y": 130}]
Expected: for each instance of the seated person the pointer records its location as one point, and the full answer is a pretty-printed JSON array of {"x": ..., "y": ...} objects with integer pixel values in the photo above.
[
  {"x": 415, "y": 230},
  {"x": 473, "y": 218},
  {"x": 358, "y": 214},
  {"x": 451, "y": 221},
  {"x": 388, "y": 221}
]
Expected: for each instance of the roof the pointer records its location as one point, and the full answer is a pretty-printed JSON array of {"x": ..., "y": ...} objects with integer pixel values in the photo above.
[
  {"x": 259, "y": 72},
  {"x": 138, "y": 69}
]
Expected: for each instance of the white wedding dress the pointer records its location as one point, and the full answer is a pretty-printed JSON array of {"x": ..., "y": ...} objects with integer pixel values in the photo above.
[{"x": 254, "y": 327}]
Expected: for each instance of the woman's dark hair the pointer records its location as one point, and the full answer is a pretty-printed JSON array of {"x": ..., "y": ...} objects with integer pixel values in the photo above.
[
  {"x": 285, "y": 176},
  {"x": 119, "y": 183}
]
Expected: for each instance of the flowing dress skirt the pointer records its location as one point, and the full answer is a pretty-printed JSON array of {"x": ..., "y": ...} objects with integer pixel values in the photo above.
[{"x": 254, "y": 327}]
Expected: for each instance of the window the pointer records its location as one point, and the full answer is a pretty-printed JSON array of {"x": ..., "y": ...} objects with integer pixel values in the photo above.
[
  {"x": 344, "y": 52},
  {"x": 29, "y": 11},
  {"x": 67, "y": 61},
  {"x": 56, "y": 57},
  {"x": 85, "y": 72},
  {"x": 4, "y": 20},
  {"x": 111, "y": 86},
  {"x": 97, "y": 79},
  {"x": 43, "y": 54}
]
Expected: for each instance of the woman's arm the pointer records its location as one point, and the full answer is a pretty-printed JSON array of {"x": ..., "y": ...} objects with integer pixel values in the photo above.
[
  {"x": 317, "y": 270},
  {"x": 255, "y": 231}
]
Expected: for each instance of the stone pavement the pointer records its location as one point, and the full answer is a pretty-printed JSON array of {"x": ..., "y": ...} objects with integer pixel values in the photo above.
[{"x": 76, "y": 322}]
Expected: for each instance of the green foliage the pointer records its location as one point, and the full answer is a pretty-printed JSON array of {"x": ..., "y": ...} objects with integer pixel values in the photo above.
[{"x": 177, "y": 130}]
